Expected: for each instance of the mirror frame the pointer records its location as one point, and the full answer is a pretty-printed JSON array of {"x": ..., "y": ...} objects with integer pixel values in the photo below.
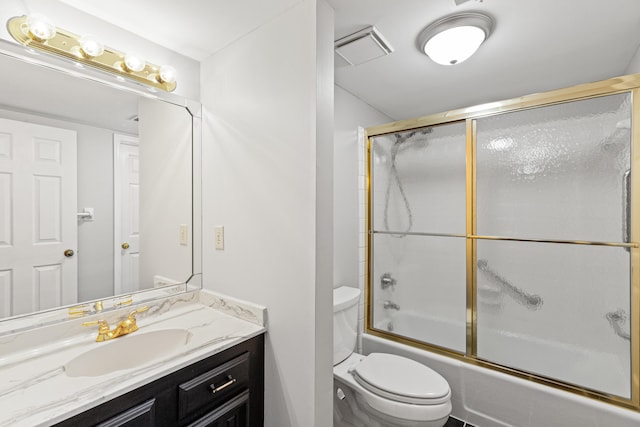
[{"x": 22, "y": 322}]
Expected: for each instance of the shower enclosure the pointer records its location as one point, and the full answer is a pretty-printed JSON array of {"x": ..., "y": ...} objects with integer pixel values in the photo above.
[{"x": 506, "y": 235}]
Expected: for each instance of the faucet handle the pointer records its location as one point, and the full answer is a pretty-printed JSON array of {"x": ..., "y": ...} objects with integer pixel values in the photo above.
[
  {"x": 78, "y": 311},
  {"x": 103, "y": 329},
  {"x": 132, "y": 315},
  {"x": 129, "y": 324}
]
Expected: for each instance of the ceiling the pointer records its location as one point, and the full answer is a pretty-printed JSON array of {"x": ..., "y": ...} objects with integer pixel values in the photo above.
[
  {"x": 195, "y": 28},
  {"x": 536, "y": 45}
]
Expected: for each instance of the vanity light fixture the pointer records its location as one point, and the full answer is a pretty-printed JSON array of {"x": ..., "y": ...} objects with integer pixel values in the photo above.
[
  {"x": 38, "y": 32},
  {"x": 454, "y": 38}
]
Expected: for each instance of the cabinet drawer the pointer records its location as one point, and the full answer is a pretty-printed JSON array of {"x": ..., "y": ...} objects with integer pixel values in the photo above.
[
  {"x": 214, "y": 386},
  {"x": 234, "y": 413},
  {"x": 142, "y": 415}
]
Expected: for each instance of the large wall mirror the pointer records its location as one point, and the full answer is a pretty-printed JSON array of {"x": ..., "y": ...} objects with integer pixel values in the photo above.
[{"x": 99, "y": 189}]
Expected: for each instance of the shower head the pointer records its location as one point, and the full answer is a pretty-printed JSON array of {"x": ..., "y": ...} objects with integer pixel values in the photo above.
[
  {"x": 407, "y": 136},
  {"x": 410, "y": 139}
]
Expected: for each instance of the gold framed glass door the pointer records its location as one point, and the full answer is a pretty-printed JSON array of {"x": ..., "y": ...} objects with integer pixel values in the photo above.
[{"x": 547, "y": 265}]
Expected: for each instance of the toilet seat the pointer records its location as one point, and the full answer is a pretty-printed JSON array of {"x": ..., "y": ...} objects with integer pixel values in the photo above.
[{"x": 401, "y": 379}]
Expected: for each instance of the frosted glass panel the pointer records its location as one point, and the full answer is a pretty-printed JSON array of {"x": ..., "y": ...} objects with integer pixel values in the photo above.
[
  {"x": 427, "y": 301},
  {"x": 419, "y": 180},
  {"x": 557, "y": 310},
  {"x": 555, "y": 172}
]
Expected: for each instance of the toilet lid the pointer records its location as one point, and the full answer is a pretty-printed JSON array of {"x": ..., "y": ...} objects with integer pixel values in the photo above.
[{"x": 401, "y": 379}]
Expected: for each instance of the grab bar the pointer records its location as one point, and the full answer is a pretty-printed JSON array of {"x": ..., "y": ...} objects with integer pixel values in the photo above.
[
  {"x": 532, "y": 302},
  {"x": 626, "y": 207},
  {"x": 616, "y": 320}
]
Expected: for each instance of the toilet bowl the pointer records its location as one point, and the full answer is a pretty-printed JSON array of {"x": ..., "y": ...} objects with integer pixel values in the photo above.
[{"x": 381, "y": 389}]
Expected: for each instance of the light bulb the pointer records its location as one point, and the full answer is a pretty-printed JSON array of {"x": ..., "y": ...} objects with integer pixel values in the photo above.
[
  {"x": 167, "y": 74},
  {"x": 90, "y": 46},
  {"x": 133, "y": 63},
  {"x": 40, "y": 27}
]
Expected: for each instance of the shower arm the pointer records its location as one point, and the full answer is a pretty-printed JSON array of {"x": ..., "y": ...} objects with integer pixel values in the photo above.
[{"x": 530, "y": 301}]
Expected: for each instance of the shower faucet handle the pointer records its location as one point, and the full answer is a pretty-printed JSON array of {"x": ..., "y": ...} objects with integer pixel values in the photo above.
[
  {"x": 390, "y": 305},
  {"x": 386, "y": 280}
]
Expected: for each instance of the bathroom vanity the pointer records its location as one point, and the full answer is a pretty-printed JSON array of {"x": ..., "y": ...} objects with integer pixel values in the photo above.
[
  {"x": 196, "y": 360},
  {"x": 225, "y": 389}
]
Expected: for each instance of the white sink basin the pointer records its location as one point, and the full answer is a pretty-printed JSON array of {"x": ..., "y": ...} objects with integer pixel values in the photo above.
[{"x": 127, "y": 352}]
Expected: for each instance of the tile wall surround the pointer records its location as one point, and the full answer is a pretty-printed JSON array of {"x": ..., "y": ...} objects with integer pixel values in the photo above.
[
  {"x": 33, "y": 362},
  {"x": 362, "y": 233}
]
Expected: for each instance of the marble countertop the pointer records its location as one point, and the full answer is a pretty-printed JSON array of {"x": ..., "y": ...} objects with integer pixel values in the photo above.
[{"x": 36, "y": 391}]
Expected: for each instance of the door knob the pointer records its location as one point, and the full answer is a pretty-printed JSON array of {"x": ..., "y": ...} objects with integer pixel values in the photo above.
[
  {"x": 125, "y": 245},
  {"x": 68, "y": 253}
]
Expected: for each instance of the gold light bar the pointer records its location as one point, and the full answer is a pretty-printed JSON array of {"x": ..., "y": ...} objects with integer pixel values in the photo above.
[{"x": 67, "y": 44}]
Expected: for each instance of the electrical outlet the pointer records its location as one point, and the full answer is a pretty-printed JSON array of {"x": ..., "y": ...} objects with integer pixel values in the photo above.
[
  {"x": 220, "y": 238},
  {"x": 184, "y": 234}
]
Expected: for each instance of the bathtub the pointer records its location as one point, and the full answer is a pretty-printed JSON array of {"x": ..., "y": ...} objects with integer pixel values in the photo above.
[{"x": 488, "y": 398}]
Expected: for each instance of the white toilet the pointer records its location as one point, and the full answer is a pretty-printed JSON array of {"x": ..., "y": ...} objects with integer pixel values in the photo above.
[{"x": 380, "y": 390}]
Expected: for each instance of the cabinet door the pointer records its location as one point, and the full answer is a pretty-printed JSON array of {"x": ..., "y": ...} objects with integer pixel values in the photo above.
[
  {"x": 142, "y": 415},
  {"x": 234, "y": 413}
]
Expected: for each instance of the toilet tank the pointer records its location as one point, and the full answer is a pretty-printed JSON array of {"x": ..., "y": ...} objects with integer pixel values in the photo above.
[{"x": 345, "y": 322}]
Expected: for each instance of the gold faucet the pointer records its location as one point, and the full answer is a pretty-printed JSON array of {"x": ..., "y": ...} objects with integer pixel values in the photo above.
[{"x": 126, "y": 326}]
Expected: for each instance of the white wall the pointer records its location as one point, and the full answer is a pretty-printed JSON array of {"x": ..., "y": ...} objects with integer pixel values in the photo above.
[
  {"x": 350, "y": 112},
  {"x": 95, "y": 189},
  {"x": 71, "y": 19},
  {"x": 266, "y": 178},
  {"x": 634, "y": 65}
]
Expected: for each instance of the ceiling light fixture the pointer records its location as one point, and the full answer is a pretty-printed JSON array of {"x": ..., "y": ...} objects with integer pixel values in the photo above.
[
  {"x": 38, "y": 32},
  {"x": 454, "y": 38}
]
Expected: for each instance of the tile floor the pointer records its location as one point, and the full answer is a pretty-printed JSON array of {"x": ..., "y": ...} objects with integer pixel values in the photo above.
[{"x": 454, "y": 422}]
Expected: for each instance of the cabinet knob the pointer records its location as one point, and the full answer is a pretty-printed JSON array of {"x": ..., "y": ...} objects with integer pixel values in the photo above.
[{"x": 125, "y": 245}]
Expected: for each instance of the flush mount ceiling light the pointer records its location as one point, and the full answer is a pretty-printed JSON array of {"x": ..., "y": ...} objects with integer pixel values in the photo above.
[
  {"x": 38, "y": 32},
  {"x": 454, "y": 38}
]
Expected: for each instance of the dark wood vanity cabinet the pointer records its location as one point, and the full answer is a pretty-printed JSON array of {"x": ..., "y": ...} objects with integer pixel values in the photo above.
[{"x": 224, "y": 390}]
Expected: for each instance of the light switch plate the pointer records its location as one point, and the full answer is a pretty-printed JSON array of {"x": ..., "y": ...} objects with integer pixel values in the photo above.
[
  {"x": 184, "y": 234},
  {"x": 220, "y": 238}
]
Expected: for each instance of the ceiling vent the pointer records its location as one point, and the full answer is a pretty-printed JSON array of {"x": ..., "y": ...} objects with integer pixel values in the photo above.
[{"x": 362, "y": 46}]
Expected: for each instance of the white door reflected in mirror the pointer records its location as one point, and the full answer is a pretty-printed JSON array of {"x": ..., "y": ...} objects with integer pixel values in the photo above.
[
  {"x": 126, "y": 214},
  {"x": 38, "y": 221}
]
